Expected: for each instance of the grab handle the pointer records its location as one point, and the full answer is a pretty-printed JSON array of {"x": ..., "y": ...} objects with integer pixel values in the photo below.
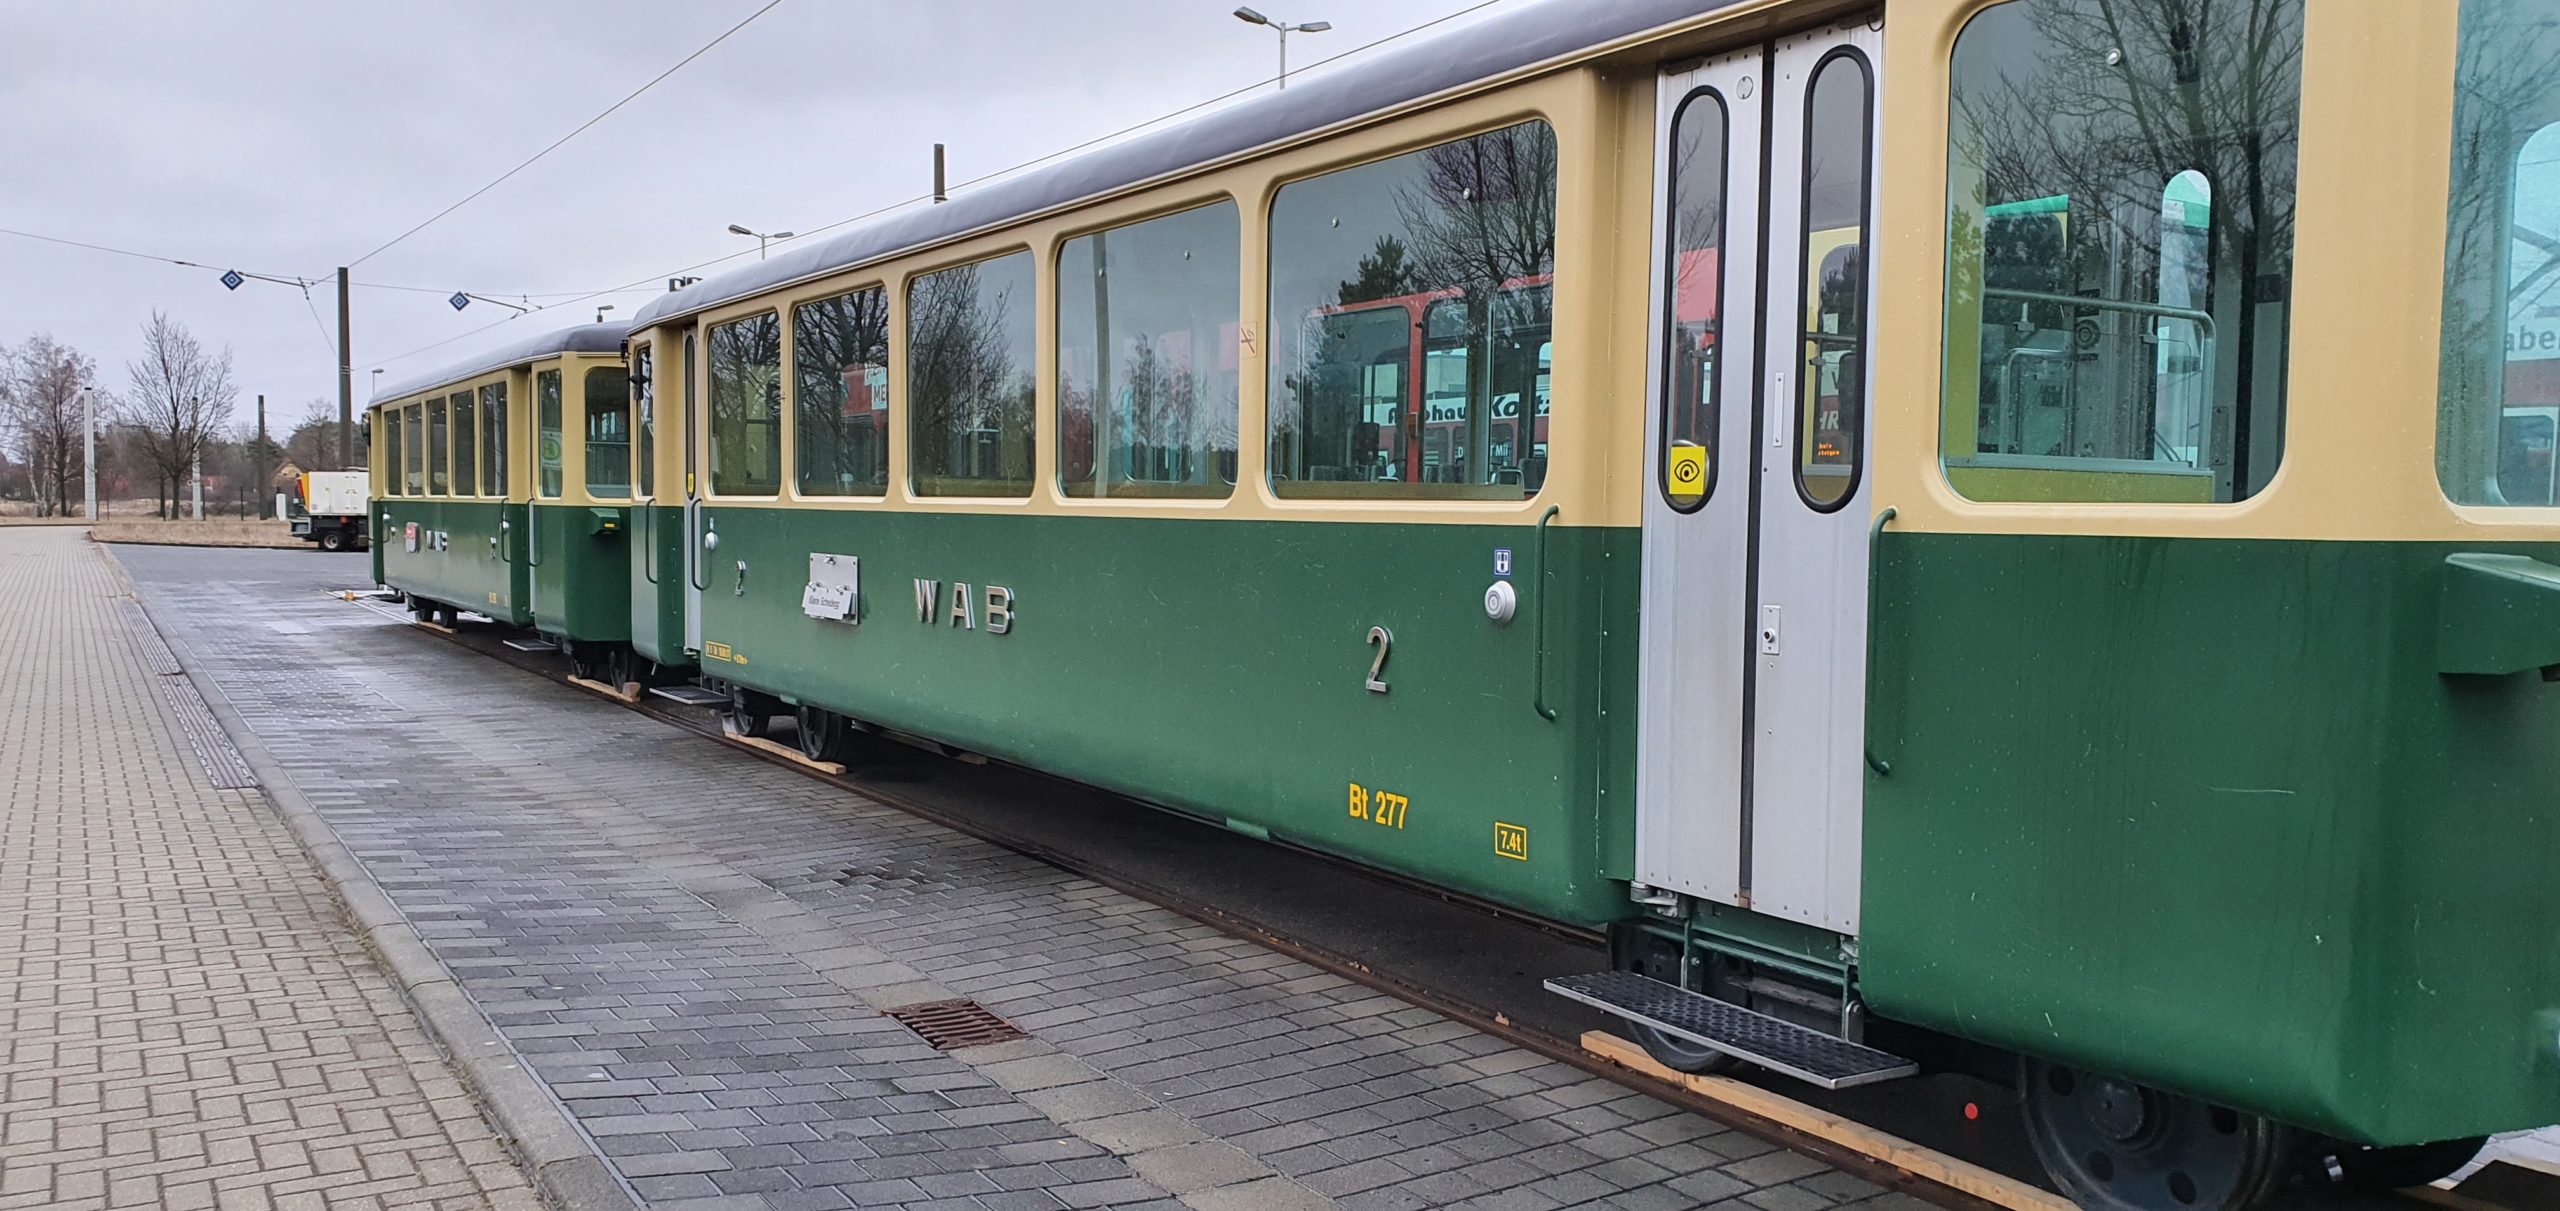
[
  {"x": 1539, "y": 698},
  {"x": 1875, "y": 547}
]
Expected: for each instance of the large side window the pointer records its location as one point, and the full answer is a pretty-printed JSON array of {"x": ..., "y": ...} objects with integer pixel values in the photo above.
[
  {"x": 608, "y": 434},
  {"x": 466, "y": 445},
  {"x": 746, "y": 406},
  {"x": 644, "y": 418},
  {"x": 1147, "y": 367},
  {"x": 970, "y": 338},
  {"x": 840, "y": 393},
  {"x": 493, "y": 438},
  {"x": 439, "y": 481},
  {"x": 417, "y": 469},
  {"x": 1690, "y": 392},
  {"x": 2120, "y": 199},
  {"x": 2498, "y": 395},
  {"x": 392, "y": 454},
  {"x": 1411, "y": 320},
  {"x": 548, "y": 450}
]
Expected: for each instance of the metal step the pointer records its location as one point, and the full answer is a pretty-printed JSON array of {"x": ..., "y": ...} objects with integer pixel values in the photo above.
[
  {"x": 690, "y": 695},
  {"x": 533, "y": 645},
  {"x": 1773, "y": 1043}
]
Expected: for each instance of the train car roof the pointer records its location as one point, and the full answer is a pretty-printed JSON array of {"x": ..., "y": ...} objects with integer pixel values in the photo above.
[
  {"x": 585, "y": 338},
  {"x": 1496, "y": 46}
]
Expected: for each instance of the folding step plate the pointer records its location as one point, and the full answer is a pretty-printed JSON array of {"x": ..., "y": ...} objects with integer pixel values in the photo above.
[
  {"x": 690, "y": 695},
  {"x": 1773, "y": 1043},
  {"x": 533, "y": 645}
]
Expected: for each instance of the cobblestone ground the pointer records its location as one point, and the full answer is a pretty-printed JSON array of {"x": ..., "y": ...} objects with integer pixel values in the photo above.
[
  {"x": 186, "y": 1019},
  {"x": 692, "y": 946}
]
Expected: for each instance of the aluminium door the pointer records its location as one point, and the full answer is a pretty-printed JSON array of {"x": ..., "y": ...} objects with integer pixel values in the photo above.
[
  {"x": 696, "y": 530},
  {"x": 1750, "y": 743}
]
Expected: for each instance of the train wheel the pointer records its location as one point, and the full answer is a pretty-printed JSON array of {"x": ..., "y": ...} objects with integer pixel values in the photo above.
[
  {"x": 621, "y": 666},
  {"x": 2399, "y": 1168},
  {"x": 745, "y": 715},
  {"x": 822, "y": 734},
  {"x": 2113, "y": 1145}
]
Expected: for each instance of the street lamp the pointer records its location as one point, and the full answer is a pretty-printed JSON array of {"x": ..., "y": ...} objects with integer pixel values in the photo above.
[
  {"x": 601, "y": 309},
  {"x": 761, "y": 237},
  {"x": 1284, "y": 29}
]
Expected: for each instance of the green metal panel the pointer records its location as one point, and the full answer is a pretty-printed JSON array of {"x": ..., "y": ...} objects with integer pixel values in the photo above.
[
  {"x": 469, "y": 572},
  {"x": 578, "y": 558},
  {"x": 2205, "y": 813},
  {"x": 2500, "y": 614},
  {"x": 654, "y": 576},
  {"x": 1220, "y": 669}
]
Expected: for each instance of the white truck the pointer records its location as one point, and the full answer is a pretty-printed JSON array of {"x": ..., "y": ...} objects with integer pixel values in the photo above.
[{"x": 330, "y": 508}]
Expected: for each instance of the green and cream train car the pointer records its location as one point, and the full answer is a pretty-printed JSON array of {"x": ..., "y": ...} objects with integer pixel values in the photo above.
[
  {"x": 502, "y": 486},
  {"x": 1997, "y": 533}
]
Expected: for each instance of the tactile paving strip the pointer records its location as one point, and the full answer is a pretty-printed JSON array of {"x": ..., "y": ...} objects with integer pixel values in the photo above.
[
  {"x": 949, "y": 1024},
  {"x": 223, "y": 764},
  {"x": 155, "y": 650}
]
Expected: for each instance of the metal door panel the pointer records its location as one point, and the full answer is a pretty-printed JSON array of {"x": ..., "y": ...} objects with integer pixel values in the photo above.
[
  {"x": 1690, "y": 684},
  {"x": 694, "y": 525}
]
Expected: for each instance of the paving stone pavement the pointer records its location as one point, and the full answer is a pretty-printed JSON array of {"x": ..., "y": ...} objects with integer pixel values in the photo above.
[
  {"x": 186, "y": 1018},
  {"x": 691, "y": 947}
]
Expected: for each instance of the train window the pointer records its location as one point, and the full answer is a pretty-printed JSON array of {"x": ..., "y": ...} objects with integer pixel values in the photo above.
[
  {"x": 608, "y": 434},
  {"x": 493, "y": 438},
  {"x": 547, "y": 440},
  {"x": 840, "y": 393},
  {"x": 1147, "y": 357},
  {"x": 644, "y": 415},
  {"x": 466, "y": 446},
  {"x": 1831, "y": 398},
  {"x": 2498, "y": 394},
  {"x": 417, "y": 470},
  {"x": 439, "y": 483},
  {"x": 2119, "y": 251},
  {"x": 970, "y": 339},
  {"x": 392, "y": 455},
  {"x": 746, "y": 406},
  {"x": 1411, "y": 316},
  {"x": 1690, "y": 392}
]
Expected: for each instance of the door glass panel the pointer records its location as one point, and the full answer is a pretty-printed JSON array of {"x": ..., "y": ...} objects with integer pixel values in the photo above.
[
  {"x": 546, "y": 422},
  {"x": 644, "y": 413},
  {"x": 608, "y": 434},
  {"x": 1695, "y": 272},
  {"x": 1831, "y": 419}
]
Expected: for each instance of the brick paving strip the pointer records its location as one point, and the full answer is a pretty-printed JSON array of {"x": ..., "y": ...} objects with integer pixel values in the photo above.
[
  {"x": 690, "y": 949},
  {"x": 186, "y": 1018}
]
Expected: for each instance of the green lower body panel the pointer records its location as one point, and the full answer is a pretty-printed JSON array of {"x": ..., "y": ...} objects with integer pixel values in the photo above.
[
  {"x": 581, "y": 580},
  {"x": 468, "y": 554},
  {"x": 655, "y": 590},
  {"x": 1222, "y": 669},
  {"x": 2205, "y": 814}
]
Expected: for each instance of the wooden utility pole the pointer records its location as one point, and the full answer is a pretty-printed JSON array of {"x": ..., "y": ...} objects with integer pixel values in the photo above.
[{"x": 346, "y": 382}]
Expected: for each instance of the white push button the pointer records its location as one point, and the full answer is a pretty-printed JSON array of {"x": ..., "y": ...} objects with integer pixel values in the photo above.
[{"x": 1501, "y": 602}]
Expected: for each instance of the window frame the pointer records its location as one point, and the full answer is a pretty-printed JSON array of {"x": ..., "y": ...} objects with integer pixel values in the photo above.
[
  {"x": 558, "y": 372},
  {"x": 1668, "y": 320},
  {"x": 1804, "y": 285},
  {"x": 588, "y": 368},
  {"x": 707, "y": 405},
  {"x": 497, "y": 467},
  {"x": 893, "y": 345},
  {"x": 905, "y": 472},
  {"x": 1050, "y": 402}
]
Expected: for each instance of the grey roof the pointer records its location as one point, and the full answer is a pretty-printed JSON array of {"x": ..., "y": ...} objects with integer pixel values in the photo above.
[
  {"x": 585, "y": 338},
  {"x": 1520, "y": 38}
]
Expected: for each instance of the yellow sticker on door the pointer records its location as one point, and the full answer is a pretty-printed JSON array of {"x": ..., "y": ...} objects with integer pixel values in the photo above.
[
  {"x": 1510, "y": 841},
  {"x": 1685, "y": 474}
]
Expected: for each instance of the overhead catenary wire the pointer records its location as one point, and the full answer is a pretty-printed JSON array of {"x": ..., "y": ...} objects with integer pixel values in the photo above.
[{"x": 556, "y": 144}]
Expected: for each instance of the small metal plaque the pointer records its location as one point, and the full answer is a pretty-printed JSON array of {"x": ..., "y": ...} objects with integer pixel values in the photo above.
[{"x": 835, "y": 582}]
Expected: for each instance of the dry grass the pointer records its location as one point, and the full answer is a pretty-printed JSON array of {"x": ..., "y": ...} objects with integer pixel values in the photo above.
[{"x": 211, "y": 532}]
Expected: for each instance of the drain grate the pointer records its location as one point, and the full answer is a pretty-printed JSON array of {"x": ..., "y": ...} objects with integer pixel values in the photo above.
[{"x": 949, "y": 1024}]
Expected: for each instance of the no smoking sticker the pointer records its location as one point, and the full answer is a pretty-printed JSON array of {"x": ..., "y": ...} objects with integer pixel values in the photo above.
[{"x": 1686, "y": 474}]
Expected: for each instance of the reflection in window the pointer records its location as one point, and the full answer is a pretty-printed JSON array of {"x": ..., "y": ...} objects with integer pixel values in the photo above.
[
  {"x": 493, "y": 438},
  {"x": 2120, "y": 205},
  {"x": 417, "y": 473},
  {"x": 1411, "y": 311},
  {"x": 1832, "y": 395},
  {"x": 438, "y": 483},
  {"x": 644, "y": 412},
  {"x": 1147, "y": 368},
  {"x": 608, "y": 435},
  {"x": 970, "y": 335},
  {"x": 1695, "y": 295},
  {"x": 546, "y": 421},
  {"x": 466, "y": 446},
  {"x": 840, "y": 393},
  {"x": 392, "y": 456},
  {"x": 2499, "y": 390},
  {"x": 746, "y": 406}
]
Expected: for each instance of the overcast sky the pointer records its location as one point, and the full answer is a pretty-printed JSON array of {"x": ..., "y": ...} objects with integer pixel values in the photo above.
[{"x": 289, "y": 138}]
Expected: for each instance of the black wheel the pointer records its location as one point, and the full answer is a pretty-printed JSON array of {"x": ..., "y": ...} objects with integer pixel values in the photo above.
[
  {"x": 2113, "y": 1145},
  {"x": 619, "y": 666},
  {"x": 2363, "y": 1168},
  {"x": 822, "y": 734},
  {"x": 582, "y": 661},
  {"x": 747, "y": 713},
  {"x": 333, "y": 540},
  {"x": 1680, "y": 1055}
]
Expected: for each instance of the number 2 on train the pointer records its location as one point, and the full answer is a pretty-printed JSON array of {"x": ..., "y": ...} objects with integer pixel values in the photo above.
[{"x": 1382, "y": 639}]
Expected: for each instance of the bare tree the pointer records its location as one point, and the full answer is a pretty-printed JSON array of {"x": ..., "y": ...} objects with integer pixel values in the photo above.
[
  {"x": 40, "y": 383},
  {"x": 179, "y": 398}
]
